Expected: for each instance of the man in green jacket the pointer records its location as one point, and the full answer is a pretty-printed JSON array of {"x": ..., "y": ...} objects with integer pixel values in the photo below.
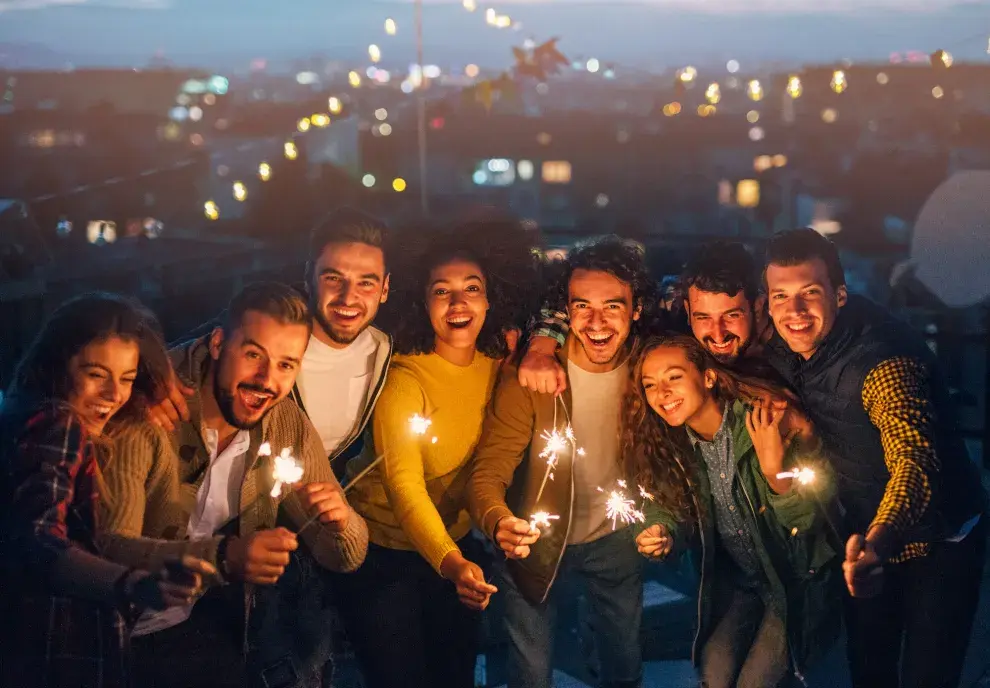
[{"x": 607, "y": 287}]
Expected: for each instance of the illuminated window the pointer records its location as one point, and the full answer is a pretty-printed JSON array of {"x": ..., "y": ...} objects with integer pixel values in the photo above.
[
  {"x": 101, "y": 232},
  {"x": 557, "y": 172},
  {"x": 494, "y": 172}
]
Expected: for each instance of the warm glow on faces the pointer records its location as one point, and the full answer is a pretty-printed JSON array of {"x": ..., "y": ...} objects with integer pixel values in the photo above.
[
  {"x": 102, "y": 377},
  {"x": 803, "y": 304},
  {"x": 600, "y": 306},
  {"x": 349, "y": 284},
  {"x": 724, "y": 324},
  {"x": 674, "y": 386},
  {"x": 457, "y": 302},
  {"x": 255, "y": 366}
]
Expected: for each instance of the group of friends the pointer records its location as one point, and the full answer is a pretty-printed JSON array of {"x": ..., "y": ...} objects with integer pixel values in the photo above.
[{"x": 506, "y": 426}]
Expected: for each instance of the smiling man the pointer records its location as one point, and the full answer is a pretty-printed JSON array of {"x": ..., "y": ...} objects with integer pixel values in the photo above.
[
  {"x": 913, "y": 500},
  {"x": 608, "y": 288},
  {"x": 722, "y": 301},
  {"x": 210, "y": 481}
]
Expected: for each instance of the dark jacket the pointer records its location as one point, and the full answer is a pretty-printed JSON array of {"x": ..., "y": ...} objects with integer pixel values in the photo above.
[
  {"x": 798, "y": 554},
  {"x": 830, "y": 385}
]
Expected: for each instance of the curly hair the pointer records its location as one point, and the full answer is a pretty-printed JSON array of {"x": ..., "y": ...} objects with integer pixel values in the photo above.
[
  {"x": 625, "y": 260},
  {"x": 42, "y": 376},
  {"x": 659, "y": 456},
  {"x": 503, "y": 248}
]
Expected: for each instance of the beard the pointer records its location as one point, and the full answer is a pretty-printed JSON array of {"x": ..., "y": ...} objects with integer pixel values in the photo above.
[
  {"x": 336, "y": 335},
  {"x": 225, "y": 402}
]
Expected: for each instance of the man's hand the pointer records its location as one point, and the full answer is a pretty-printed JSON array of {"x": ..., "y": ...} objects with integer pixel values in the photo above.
[
  {"x": 173, "y": 409},
  {"x": 655, "y": 542},
  {"x": 863, "y": 568},
  {"x": 326, "y": 502},
  {"x": 539, "y": 370},
  {"x": 472, "y": 590},
  {"x": 261, "y": 557},
  {"x": 514, "y": 536}
]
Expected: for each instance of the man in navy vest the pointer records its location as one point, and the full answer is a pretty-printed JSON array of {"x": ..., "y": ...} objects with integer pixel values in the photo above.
[{"x": 914, "y": 506}]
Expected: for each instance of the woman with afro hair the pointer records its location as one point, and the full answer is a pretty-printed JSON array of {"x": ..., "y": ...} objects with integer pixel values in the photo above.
[{"x": 413, "y": 610}]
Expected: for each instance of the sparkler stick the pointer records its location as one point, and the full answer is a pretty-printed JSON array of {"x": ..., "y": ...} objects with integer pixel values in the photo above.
[
  {"x": 556, "y": 442},
  {"x": 418, "y": 424}
]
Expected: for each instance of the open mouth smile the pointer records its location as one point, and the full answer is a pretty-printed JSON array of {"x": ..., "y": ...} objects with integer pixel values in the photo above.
[
  {"x": 255, "y": 400},
  {"x": 459, "y": 322}
]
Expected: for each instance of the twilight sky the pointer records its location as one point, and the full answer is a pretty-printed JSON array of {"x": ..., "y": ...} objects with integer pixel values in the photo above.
[{"x": 634, "y": 32}]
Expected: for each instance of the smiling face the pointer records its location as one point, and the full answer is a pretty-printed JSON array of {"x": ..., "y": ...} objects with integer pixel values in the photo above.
[
  {"x": 349, "y": 283},
  {"x": 102, "y": 378},
  {"x": 803, "y": 304},
  {"x": 674, "y": 386},
  {"x": 601, "y": 310},
  {"x": 255, "y": 366},
  {"x": 456, "y": 302},
  {"x": 725, "y": 325}
]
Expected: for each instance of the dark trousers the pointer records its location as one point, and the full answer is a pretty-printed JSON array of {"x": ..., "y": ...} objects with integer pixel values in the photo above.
[
  {"x": 915, "y": 633},
  {"x": 405, "y": 622},
  {"x": 204, "y": 651}
]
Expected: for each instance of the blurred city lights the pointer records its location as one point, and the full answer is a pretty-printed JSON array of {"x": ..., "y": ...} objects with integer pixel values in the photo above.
[
  {"x": 354, "y": 79},
  {"x": 470, "y": 5},
  {"x": 748, "y": 193},
  {"x": 601, "y": 200},
  {"x": 291, "y": 151},
  {"x": 211, "y": 210},
  {"x": 756, "y": 134},
  {"x": 839, "y": 82},
  {"x": 593, "y": 65},
  {"x": 471, "y": 71},
  {"x": 320, "y": 120},
  {"x": 385, "y": 129},
  {"x": 368, "y": 180},
  {"x": 374, "y": 53},
  {"x": 752, "y": 116},
  {"x": 882, "y": 78},
  {"x": 525, "y": 170},
  {"x": 713, "y": 94},
  {"x": 732, "y": 66},
  {"x": 334, "y": 105},
  {"x": 688, "y": 74},
  {"x": 264, "y": 171},
  {"x": 794, "y": 87},
  {"x": 381, "y": 114},
  {"x": 754, "y": 89},
  {"x": 829, "y": 115},
  {"x": 938, "y": 92},
  {"x": 240, "y": 191},
  {"x": 390, "y": 26},
  {"x": 399, "y": 184},
  {"x": 303, "y": 124}
]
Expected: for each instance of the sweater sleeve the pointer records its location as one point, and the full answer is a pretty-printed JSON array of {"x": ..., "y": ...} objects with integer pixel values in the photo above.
[
  {"x": 403, "y": 475},
  {"x": 505, "y": 437},
  {"x": 342, "y": 551},
  {"x": 141, "y": 479}
]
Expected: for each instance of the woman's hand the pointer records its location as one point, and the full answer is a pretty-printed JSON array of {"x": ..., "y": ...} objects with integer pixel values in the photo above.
[
  {"x": 655, "y": 542},
  {"x": 472, "y": 590},
  {"x": 763, "y": 424}
]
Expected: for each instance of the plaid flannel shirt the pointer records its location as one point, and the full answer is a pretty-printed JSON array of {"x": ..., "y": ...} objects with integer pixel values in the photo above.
[{"x": 51, "y": 474}]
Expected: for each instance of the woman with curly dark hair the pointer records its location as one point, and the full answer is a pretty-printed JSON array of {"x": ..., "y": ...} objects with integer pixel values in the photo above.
[
  {"x": 412, "y": 610},
  {"x": 717, "y": 448},
  {"x": 92, "y": 369}
]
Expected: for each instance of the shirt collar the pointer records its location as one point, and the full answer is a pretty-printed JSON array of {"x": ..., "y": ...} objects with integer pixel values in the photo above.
[{"x": 720, "y": 434}]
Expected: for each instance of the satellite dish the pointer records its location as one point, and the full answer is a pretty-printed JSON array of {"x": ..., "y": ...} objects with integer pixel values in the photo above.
[{"x": 951, "y": 244}]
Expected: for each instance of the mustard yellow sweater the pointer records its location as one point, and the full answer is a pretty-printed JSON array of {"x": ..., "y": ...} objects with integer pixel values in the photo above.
[{"x": 415, "y": 499}]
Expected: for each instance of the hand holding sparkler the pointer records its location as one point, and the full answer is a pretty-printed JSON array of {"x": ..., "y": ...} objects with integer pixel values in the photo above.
[
  {"x": 472, "y": 589},
  {"x": 325, "y": 502},
  {"x": 863, "y": 568},
  {"x": 260, "y": 557},
  {"x": 804, "y": 475},
  {"x": 514, "y": 536},
  {"x": 655, "y": 542}
]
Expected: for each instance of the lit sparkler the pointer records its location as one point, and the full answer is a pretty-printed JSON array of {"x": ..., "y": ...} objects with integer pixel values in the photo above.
[
  {"x": 286, "y": 470},
  {"x": 619, "y": 507},
  {"x": 542, "y": 519},
  {"x": 419, "y": 425},
  {"x": 804, "y": 476}
]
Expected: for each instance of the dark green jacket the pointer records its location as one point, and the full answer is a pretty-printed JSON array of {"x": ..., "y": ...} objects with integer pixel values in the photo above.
[{"x": 794, "y": 542}]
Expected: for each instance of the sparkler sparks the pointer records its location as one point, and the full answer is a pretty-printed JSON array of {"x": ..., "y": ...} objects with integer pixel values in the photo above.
[
  {"x": 419, "y": 425},
  {"x": 286, "y": 470},
  {"x": 619, "y": 507},
  {"x": 542, "y": 519},
  {"x": 804, "y": 476}
]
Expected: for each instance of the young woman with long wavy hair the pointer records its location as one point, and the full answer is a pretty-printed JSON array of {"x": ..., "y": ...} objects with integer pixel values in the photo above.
[{"x": 711, "y": 444}]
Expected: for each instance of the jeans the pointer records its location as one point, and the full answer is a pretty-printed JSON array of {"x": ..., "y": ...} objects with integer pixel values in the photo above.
[
  {"x": 611, "y": 571},
  {"x": 292, "y": 627},
  {"x": 747, "y": 648},
  {"x": 915, "y": 633},
  {"x": 407, "y": 626}
]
